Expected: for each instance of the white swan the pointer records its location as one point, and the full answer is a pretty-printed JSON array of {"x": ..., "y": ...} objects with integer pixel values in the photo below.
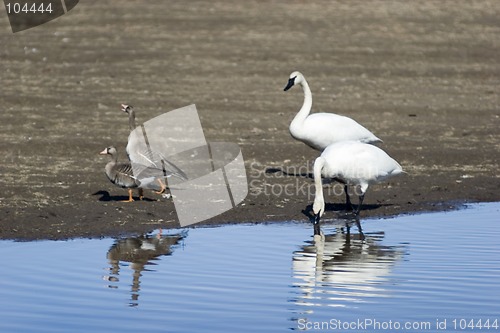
[
  {"x": 353, "y": 163},
  {"x": 318, "y": 130}
]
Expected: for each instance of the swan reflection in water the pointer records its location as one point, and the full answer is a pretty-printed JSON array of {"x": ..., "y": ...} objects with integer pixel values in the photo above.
[
  {"x": 139, "y": 252},
  {"x": 343, "y": 268}
]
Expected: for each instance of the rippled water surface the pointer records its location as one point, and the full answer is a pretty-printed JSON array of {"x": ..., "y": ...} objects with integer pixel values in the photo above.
[{"x": 428, "y": 272}]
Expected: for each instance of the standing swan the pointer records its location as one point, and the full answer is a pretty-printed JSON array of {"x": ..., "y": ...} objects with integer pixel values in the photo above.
[
  {"x": 353, "y": 163},
  {"x": 318, "y": 130},
  {"x": 121, "y": 174}
]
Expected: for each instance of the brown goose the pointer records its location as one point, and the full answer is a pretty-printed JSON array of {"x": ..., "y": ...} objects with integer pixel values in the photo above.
[
  {"x": 121, "y": 174},
  {"x": 150, "y": 159}
]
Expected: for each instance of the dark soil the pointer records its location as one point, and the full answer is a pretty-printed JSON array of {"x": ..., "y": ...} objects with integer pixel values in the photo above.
[{"x": 424, "y": 76}]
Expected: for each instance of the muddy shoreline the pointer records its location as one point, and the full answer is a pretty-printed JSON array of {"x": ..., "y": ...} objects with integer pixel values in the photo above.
[{"x": 424, "y": 77}]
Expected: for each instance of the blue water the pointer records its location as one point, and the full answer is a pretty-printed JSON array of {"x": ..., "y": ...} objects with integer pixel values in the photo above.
[{"x": 427, "y": 271}]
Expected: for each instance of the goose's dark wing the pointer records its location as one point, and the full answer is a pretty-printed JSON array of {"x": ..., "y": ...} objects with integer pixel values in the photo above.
[{"x": 122, "y": 175}]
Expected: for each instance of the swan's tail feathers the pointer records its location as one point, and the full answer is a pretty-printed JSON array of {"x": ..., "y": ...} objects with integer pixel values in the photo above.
[
  {"x": 397, "y": 170},
  {"x": 373, "y": 140}
]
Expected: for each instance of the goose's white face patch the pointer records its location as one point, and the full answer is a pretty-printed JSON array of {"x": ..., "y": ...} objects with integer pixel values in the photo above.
[{"x": 125, "y": 107}]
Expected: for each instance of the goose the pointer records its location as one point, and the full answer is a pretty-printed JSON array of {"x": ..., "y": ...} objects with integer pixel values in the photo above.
[
  {"x": 353, "y": 163},
  {"x": 319, "y": 130},
  {"x": 148, "y": 158},
  {"x": 121, "y": 174},
  {"x": 129, "y": 109}
]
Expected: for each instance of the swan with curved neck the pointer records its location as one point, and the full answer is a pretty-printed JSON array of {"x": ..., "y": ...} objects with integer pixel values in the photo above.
[
  {"x": 354, "y": 163},
  {"x": 318, "y": 130}
]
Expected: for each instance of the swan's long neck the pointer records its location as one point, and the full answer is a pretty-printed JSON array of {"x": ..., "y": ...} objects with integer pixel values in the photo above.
[
  {"x": 304, "y": 111},
  {"x": 319, "y": 201}
]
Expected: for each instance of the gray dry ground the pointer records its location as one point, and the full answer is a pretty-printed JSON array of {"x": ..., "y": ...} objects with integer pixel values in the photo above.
[{"x": 422, "y": 75}]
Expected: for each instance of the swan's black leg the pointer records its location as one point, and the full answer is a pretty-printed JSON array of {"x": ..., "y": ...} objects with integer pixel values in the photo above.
[
  {"x": 347, "y": 200},
  {"x": 358, "y": 224},
  {"x": 348, "y": 233},
  {"x": 361, "y": 197}
]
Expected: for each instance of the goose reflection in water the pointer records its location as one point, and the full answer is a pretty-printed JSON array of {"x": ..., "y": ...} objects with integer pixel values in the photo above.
[
  {"x": 139, "y": 252},
  {"x": 343, "y": 268}
]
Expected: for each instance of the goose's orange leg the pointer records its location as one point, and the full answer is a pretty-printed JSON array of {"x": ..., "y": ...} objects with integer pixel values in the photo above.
[
  {"x": 130, "y": 199},
  {"x": 162, "y": 186},
  {"x": 141, "y": 193}
]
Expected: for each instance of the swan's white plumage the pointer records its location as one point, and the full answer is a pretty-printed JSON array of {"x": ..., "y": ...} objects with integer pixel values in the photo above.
[
  {"x": 318, "y": 130},
  {"x": 355, "y": 163}
]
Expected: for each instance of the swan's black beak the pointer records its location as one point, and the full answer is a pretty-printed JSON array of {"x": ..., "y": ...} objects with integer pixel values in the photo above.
[{"x": 290, "y": 84}]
